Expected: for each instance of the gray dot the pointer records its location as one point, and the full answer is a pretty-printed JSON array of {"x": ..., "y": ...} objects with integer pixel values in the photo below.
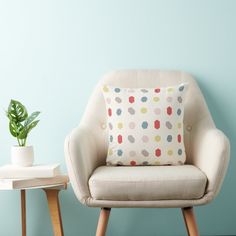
[
  {"x": 180, "y": 99},
  {"x": 144, "y": 90},
  {"x": 111, "y": 138},
  {"x": 168, "y": 125},
  {"x": 131, "y": 111},
  {"x": 169, "y": 138},
  {"x": 131, "y": 138},
  {"x": 181, "y": 88},
  {"x": 145, "y": 163},
  {"x": 117, "y": 99},
  {"x": 180, "y": 152},
  {"x": 145, "y": 153}
]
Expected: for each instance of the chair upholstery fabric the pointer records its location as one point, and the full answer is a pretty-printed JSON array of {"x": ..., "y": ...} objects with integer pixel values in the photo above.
[
  {"x": 206, "y": 147},
  {"x": 144, "y": 183}
]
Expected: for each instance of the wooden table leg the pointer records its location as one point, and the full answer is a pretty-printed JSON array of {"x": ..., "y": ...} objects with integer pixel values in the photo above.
[
  {"x": 54, "y": 208},
  {"x": 23, "y": 212}
]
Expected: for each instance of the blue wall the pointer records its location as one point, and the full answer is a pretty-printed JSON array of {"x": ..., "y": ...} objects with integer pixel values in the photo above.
[{"x": 52, "y": 53}]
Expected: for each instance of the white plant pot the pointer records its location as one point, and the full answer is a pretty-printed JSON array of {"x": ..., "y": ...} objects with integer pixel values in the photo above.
[{"x": 22, "y": 156}]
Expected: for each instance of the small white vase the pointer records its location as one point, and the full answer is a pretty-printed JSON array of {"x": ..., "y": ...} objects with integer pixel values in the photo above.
[{"x": 22, "y": 156}]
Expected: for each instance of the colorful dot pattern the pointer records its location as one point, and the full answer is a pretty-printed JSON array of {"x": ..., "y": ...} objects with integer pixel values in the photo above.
[{"x": 145, "y": 125}]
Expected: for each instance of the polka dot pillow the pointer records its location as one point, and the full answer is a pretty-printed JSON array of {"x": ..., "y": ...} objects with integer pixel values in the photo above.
[{"x": 145, "y": 125}]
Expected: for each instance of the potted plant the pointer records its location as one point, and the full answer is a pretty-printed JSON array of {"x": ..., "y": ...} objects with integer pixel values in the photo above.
[{"x": 20, "y": 124}]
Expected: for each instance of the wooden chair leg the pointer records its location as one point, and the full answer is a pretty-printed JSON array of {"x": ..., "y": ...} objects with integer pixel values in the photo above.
[
  {"x": 54, "y": 208},
  {"x": 23, "y": 212},
  {"x": 190, "y": 222},
  {"x": 102, "y": 222}
]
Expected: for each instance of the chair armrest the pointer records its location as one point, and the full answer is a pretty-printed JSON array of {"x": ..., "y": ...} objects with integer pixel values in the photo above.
[
  {"x": 81, "y": 160},
  {"x": 210, "y": 153}
]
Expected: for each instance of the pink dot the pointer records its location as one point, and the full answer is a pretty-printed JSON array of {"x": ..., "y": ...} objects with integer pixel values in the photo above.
[
  {"x": 179, "y": 138},
  {"x": 157, "y": 124},
  {"x": 109, "y": 111},
  {"x": 157, "y": 111},
  {"x": 158, "y": 152},
  {"x": 145, "y": 138},
  {"x": 119, "y": 138},
  {"x": 131, "y": 99},
  {"x": 169, "y": 110},
  {"x": 131, "y": 125}
]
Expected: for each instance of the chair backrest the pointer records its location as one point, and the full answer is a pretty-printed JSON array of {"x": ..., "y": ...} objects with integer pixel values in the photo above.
[{"x": 95, "y": 115}]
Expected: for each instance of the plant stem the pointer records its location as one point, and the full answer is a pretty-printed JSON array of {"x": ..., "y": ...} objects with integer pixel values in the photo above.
[{"x": 18, "y": 142}]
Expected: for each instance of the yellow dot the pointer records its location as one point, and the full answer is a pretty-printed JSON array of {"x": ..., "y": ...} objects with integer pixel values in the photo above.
[
  {"x": 157, "y": 162},
  {"x": 170, "y": 152},
  {"x": 143, "y": 109},
  {"x": 179, "y": 125},
  {"x": 110, "y": 152},
  {"x": 156, "y": 99},
  {"x": 170, "y": 90},
  {"x": 105, "y": 89},
  {"x": 157, "y": 138},
  {"x": 120, "y": 125}
]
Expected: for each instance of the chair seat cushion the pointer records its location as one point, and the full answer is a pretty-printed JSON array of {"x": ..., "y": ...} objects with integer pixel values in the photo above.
[{"x": 142, "y": 183}]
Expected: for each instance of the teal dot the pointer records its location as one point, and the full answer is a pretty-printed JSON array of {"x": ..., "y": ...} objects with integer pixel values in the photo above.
[
  {"x": 111, "y": 138},
  {"x": 143, "y": 99},
  {"x": 118, "y": 111},
  {"x": 117, "y": 90},
  {"x": 144, "y": 125},
  {"x": 119, "y": 152}
]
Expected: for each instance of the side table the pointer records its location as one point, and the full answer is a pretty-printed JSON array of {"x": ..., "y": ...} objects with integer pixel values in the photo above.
[{"x": 52, "y": 192}]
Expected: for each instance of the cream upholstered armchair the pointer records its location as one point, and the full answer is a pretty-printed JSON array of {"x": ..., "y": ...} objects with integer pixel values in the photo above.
[{"x": 195, "y": 183}]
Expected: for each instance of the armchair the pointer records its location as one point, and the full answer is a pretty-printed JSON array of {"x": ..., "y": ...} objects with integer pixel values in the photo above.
[{"x": 195, "y": 183}]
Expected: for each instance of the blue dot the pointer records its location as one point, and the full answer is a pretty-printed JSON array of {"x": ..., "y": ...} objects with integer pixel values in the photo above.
[
  {"x": 119, "y": 152},
  {"x": 117, "y": 90},
  {"x": 144, "y": 125},
  {"x": 169, "y": 138},
  {"x": 143, "y": 99},
  {"x": 179, "y": 112},
  {"x": 118, "y": 111}
]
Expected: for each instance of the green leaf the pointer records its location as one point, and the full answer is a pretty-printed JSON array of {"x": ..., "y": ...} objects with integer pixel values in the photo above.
[
  {"x": 26, "y": 129},
  {"x": 15, "y": 128},
  {"x": 16, "y": 111},
  {"x": 31, "y": 118},
  {"x": 32, "y": 125}
]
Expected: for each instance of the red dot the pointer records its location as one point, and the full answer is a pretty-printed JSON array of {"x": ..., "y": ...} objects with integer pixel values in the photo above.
[
  {"x": 158, "y": 152},
  {"x": 119, "y": 138},
  {"x": 109, "y": 112},
  {"x": 157, "y": 90},
  {"x": 169, "y": 110},
  {"x": 133, "y": 163},
  {"x": 179, "y": 138},
  {"x": 131, "y": 99},
  {"x": 157, "y": 124}
]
